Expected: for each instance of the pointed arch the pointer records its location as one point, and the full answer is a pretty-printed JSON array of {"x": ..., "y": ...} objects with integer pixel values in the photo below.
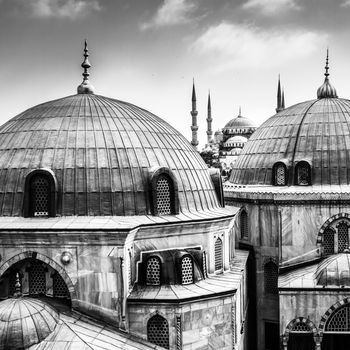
[{"x": 158, "y": 331}]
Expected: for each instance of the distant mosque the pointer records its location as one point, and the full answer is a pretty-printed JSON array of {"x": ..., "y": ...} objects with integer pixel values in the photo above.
[{"x": 229, "y": 140}]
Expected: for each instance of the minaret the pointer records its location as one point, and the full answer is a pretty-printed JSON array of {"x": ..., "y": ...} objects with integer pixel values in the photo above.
[
  {"x": 282, "y": 102},
  {"x": 194, "y": 113},
  {"x": 279, "y": 96},
  {"x": 85, "y": 87},
  {"x": 209, "y": 121}
]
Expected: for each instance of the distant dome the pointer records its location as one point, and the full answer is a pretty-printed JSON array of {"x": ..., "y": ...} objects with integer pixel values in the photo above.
[
  {"x": 25, "y": 322},
  {"x": 315, "y": 131},
  {"x": 239, "y": 122},
  {"x": 236, "y": 139},
  {"x": 334, "y": 271},
  {"x": 101, "y": 151}
]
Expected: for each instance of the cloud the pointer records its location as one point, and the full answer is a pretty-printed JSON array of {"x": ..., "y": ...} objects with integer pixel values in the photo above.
[
  {"x": 231, "y": 45},
  {"x": 346, "y": 3},
  {"x": 271, "y": 7},
  {"x": 170, "y": 13},
  {"x": 72, "y": 9}
]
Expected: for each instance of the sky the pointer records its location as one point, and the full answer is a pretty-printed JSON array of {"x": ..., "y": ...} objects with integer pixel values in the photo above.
[{"x": 147, "y": 52}]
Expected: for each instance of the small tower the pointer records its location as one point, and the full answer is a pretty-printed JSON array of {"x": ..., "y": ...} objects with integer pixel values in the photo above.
[
  {"x": 209, "y": 121},
  {"x": 194, "y": 113},
  {"x": 280, "y": 97}
]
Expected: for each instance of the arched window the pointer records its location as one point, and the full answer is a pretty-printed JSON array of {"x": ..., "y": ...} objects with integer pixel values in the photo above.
[
  {"x": 343, "y": 236},
  {"x": 218, "y": 254},
  {"x": 301, "y": 337},
  {"x": 339, "y": 321},
  {"x": 244, "y": 224},
  {"x": 164, "y": 195},
  {"x": 280, "y": 174},
  {"x": 186, "y": 270},
  {"x": 60, "y": 289},
  {"x": 303, "y": 174},
  {"x": 40, "y": 194},
  {"x": 153, "y": 271},
  {"x": 158, "y": 331},
  {"x": 271, "y": 278},
  {"x": 328, "y": 241}
]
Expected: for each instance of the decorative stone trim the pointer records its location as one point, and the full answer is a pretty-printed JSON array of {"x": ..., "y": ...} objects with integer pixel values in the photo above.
[
  {"x": 178, "y": 333},
  {"x": 267, "y": 259},
  {"x": 329, "y": 222},
  {"x": 46, "y": 260},
  {"x": 233, "y": 325},
  {"x": 328, "y": 313}
]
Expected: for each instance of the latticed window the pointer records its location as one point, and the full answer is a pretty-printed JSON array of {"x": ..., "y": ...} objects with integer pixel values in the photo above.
[
  {"x": 186, "y": 270},
  {"x": 343, "y": 236},
  {"x": 218, "y": 254},
  {"x": 244, "y": 224},
  {"x": 164, "y": 195},
  {"x": 271, "y": 278},
  {"x": 158, "y": 331},
  {"x": 60, "y": 289},
  {"x": 37, "y": 278},
  {"x": 280, "y": 175},
  {"x": 301, "y": 327},
  {"x": 40, "y": 195},
  {"x": 153, "y": 271},
  {"x": 339, "y": 321},
  {"x": 303, "y": 174},
  {"x": 328, "y": 241}
]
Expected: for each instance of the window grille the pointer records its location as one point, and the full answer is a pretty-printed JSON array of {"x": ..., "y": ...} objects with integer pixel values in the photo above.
[
  {"x": 328, "y": 241},
  {"x": 303, "y": 174},
  {"x": 158, "y": 331},
  {"x": 164, "y": 197},
  {"x": 37, "y": 278},
  {"x": 301, "y": 327},
  {"x": 271, "y": 278},
  {"x": 339, "y": 321},
  {"x": 40, "y": 195},
  {"x": 186, "y": 270},
  {"x": 244, "y": 224},
  {"x": 280, "y": 175},
  {"x": 153, "y": 271},
  {"x": 60, "y": 289},
  {"x": 218, "y": 254},
  {"x": 343, "y": 237}
]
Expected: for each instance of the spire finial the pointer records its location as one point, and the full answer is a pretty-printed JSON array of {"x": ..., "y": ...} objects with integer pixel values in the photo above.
[
  {"x": 240, "y": 111},
  {"x": 85, "y": 87},
  {"x": 17, "y": 293},
  {"x": 279, "y": 95},
  {"x": 326, "y": 90},
  {"x": 194, "y": 98}
]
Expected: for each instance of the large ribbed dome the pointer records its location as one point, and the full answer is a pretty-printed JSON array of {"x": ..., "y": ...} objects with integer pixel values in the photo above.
[
  {"x": 316, "y": 131},
  {"x": 25, "y": 322},
  {"x": 101, "y": 151}
]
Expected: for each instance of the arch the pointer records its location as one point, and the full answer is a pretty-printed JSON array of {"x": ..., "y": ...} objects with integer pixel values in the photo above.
[
  {"x": 44, "y": 174},
  {"x": 244, "y": 224},
  {"x": 330, "y": 312},
  {"x": 158, "y": 331},
  {"x": 327, "y": 224},
  {"x": 165, "y": 202},
  {"x": 271, "y": 277},
  {"x": 34, "y": 255},
  {"x": 297, "y": 321},
  {"x": 218, "y": 254},
  {"x": 279, "y": 174},
  {"x": 302, "y": 174},
  {"x": 153, "y": 270}
]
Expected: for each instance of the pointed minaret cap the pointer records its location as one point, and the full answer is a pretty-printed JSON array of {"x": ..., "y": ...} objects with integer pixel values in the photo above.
[
  {"x": 85, "y": 87},
  {"x": 194, "y": 99},
  {"x": 326, "y": 90}
]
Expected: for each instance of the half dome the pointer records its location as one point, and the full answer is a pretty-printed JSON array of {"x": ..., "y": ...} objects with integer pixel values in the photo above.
[
  {"x": 100, "y": 151},
  {"x": 25, "y": 322}
]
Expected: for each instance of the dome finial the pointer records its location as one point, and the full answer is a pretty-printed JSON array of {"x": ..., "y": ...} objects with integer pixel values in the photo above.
[
  {"x": 240, "y": 111},
  {"x": 85, "y": 87},
  {"x": 326, "y": 90},
  {"x": 17, "y": 293}
]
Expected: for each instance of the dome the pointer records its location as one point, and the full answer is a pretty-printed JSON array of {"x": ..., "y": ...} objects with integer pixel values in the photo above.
[
  {"x": 25, "y": 322},
  {"x": 236, "y": 139},
  {"x": 315, "y": 131},
  {"x": 239, "y": 122},
  {"x": 101, "y": 152},
  {"x": 334, "y": 271}
]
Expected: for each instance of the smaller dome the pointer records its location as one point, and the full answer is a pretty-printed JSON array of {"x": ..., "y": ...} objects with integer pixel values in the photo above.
[
  {"x": 237, "y": 139},
  {"x": 25, "y": 322},
  {"x": 334, "y": 271},
  {"x": 239, "y": 122}
]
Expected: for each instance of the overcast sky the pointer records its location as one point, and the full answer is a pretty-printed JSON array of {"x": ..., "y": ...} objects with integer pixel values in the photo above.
[{"x": 147, "y": 51}]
